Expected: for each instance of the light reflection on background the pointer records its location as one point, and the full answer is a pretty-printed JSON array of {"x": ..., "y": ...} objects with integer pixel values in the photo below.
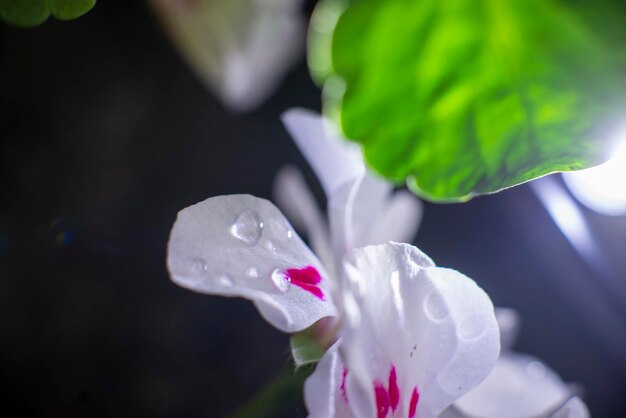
[{"x": 603, "y": 188}]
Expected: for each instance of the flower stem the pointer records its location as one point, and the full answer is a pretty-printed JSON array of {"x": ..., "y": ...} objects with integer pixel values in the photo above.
[{"x": 284, "y": 391}]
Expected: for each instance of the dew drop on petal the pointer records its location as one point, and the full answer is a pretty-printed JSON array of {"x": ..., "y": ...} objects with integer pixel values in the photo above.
[
  {"x": 225, "y": 281},
  {"x": 199, "y": 265},
  {"x": 270, "y": 246},
  {"x": 252, "y": 272},
  {"x": 280, "y": 280},
  {"x": 435, "y": 307},
  {"x": 289, "y": 234},
  {"x": 247, "y": 227},
  {"x": 536, "y": 370},
  {"x": 472, "y": 328}
]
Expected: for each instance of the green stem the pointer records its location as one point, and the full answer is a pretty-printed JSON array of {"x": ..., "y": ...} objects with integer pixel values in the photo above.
[{"x": 285, "y": 390}]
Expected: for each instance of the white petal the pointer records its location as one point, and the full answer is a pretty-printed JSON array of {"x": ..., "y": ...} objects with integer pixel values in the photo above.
[
  {"x": 520, "y": 386},
  {"x": 435, "y": 326},
  {"x": 341, "y": 220},
  {"x": 369, "y": 206},
  {"x": 367, "y": 212},
  {"x": 400, "y": 220},
  {"x": 240, "y": 245},
  {"x": 334, "y": 160},
  {"x": 324, "y": 390},
  {"x": 574, "y": 408},
  {"x": 294, "y": 197},
  {"x": 509, "y": 325},
  {"x": 240, "y": 48},
  {"x": 379, "y": 215}
]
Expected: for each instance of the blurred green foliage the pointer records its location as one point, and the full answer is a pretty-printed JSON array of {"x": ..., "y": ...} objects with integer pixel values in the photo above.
[
  {"x": 28, "y": 13},
  {"x": 468, "y": 97}
]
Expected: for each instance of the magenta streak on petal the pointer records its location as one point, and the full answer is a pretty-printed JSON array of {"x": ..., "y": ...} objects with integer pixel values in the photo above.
[
  {"x": 306, "y": 278},
  {"x": 382, "y": 400},
  {"x": 394, "y": 392},
  {"x": 342, "y": 387},
  {"x": 415, "y": 397}
]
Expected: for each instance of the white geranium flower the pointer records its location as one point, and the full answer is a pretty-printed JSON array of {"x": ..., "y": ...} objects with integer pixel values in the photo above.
[
  {"x": 520, "y": 386},
  {"x": 413, "y": 337},
  {"x": 240, "y": 49}
]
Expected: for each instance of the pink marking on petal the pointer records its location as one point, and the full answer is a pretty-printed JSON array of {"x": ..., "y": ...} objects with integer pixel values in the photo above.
[
  {"x": 415, "y": 397},
  {"x": 308, "y": 275},
  {"x": 342, "y": 387},
  {"x": 394, "y": 391},
  {"x": 382, "y": 400},
  {"x": 306, "y": 278}
]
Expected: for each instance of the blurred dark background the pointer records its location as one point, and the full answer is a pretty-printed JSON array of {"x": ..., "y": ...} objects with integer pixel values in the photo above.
[{"x": 106, "y": 134}]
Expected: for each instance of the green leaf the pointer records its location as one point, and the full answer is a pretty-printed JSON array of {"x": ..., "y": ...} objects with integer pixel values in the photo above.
[
  {"x": 305, "y": 348},
  {"x": 29, "y": 13},
  {"x": 70, "y": 9},
  {"x": 468, "y": 97},
  {"x": 24, "y": 13}
]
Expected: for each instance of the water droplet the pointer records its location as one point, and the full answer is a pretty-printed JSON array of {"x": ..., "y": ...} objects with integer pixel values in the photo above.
[
  {"x": 435, "y": 307},
  {"x": 536, "y": 370},
  {"x": 226, "y": 281},
  {"x": 472, "y": 328},
  {"x": 247, "y": 227},
  {"x": 280, "y": 280},
  {"x": 270, "y": 245},
  {"x": 253, "y": 273},
  {"x": 199, "y": 265},
  {"x": 289, "y": 234}
]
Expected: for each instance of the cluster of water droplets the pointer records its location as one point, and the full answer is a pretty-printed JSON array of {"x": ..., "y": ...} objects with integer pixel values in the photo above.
[
  {"x": 248, "y": 229},
  {"x": 200, "y": 266}
]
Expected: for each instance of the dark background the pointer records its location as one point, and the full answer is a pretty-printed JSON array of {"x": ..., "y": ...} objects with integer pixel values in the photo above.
[{"x": 106, "y": 135}]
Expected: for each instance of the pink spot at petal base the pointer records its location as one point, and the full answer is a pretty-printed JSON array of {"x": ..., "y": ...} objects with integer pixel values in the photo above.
[
  {"x": 394, "y": 391},
  {"x": 342, "y": 387},
  {"x": 415, "y": 397},
  {"x": 307, "y": 278},
  {"x": 382, "y": 400}
]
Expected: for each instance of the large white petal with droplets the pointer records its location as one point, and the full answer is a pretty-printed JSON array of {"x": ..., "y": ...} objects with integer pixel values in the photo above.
[
  {"x": 240, "y": 245},
  {"x": 416, "y": 337}
]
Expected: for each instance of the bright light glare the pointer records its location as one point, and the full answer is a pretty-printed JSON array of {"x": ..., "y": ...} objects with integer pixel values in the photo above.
[
  {"x": 566, "y": 215},
  {"x": 602, "y": 188}
]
